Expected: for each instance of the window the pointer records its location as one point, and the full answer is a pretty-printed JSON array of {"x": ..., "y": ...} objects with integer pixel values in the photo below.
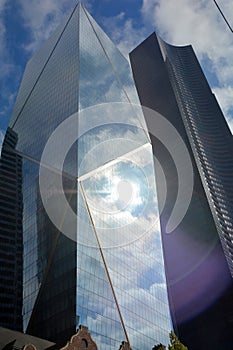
[{"x": 84, "y": 343}]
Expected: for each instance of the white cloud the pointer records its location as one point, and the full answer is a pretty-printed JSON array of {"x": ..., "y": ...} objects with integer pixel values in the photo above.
[
  {"x": 123, "y": 32},
  {"x": 42, "y": 17},
  {"x": 9, "y": 70},
  {"x": 225, "y": 98},
  {"x": 3, "y": 4},
  {"x": 5, "y": 67},
  {"x": 196, "y": 22},
  {"x": 2, "y": 36},
  {"x": 1, "y": 140},
  {"x": 230, "y": 123},
  {"x": 199, "y": 23}
]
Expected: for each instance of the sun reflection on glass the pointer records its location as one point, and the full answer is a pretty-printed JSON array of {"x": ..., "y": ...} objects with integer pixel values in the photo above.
[{"x": 123, "y": 187}]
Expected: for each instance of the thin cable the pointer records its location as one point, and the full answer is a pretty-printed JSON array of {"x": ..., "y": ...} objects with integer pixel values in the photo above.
[{"x": 223, "y": 16}]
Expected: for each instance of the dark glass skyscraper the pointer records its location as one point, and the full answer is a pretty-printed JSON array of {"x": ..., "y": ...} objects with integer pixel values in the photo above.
[
  {"x": 92, "y": 249},
  {"x": 11, "y": 245},
  {"x": 198, "y": 253}
]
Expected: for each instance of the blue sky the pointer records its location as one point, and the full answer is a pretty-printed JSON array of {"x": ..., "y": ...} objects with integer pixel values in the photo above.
[{"x": 25, "y": 24}]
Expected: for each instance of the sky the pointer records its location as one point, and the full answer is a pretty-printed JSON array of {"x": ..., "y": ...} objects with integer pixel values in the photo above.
[{"x": 25, "y": 24}]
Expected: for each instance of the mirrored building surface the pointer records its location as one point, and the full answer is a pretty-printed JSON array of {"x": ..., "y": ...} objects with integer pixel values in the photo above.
[{"x": 92, "y": 249}]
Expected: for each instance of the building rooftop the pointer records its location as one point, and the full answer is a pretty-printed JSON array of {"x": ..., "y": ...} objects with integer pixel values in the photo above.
[{"x": 16, "y": 340}]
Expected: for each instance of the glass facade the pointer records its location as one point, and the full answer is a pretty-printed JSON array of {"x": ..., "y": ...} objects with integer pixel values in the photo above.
[
  {"x": 11, "y": 245},
  {"x": 109, "y": 276},
  {"x": 209, "y": 137},
  {"x": 169, "y": 80}
]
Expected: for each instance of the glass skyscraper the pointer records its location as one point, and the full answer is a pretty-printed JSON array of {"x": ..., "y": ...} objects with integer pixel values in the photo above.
[
  {"x": 88, "y": 205},
  {"x": 198, "y": 253},
  {"x": 10, "y": 234}
]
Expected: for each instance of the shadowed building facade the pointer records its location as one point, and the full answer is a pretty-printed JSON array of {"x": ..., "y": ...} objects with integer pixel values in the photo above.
[
  {"x": 107, "y": 273},
  {"x": 11, "y": 245},
  {"x": 198, "y": 253}
]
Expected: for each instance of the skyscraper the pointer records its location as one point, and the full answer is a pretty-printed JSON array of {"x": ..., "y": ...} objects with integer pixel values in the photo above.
[
  {"x": 92, "y": 251},
  {"x": 198, "y": 253},
  {"x": 11, "y": 234}
]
